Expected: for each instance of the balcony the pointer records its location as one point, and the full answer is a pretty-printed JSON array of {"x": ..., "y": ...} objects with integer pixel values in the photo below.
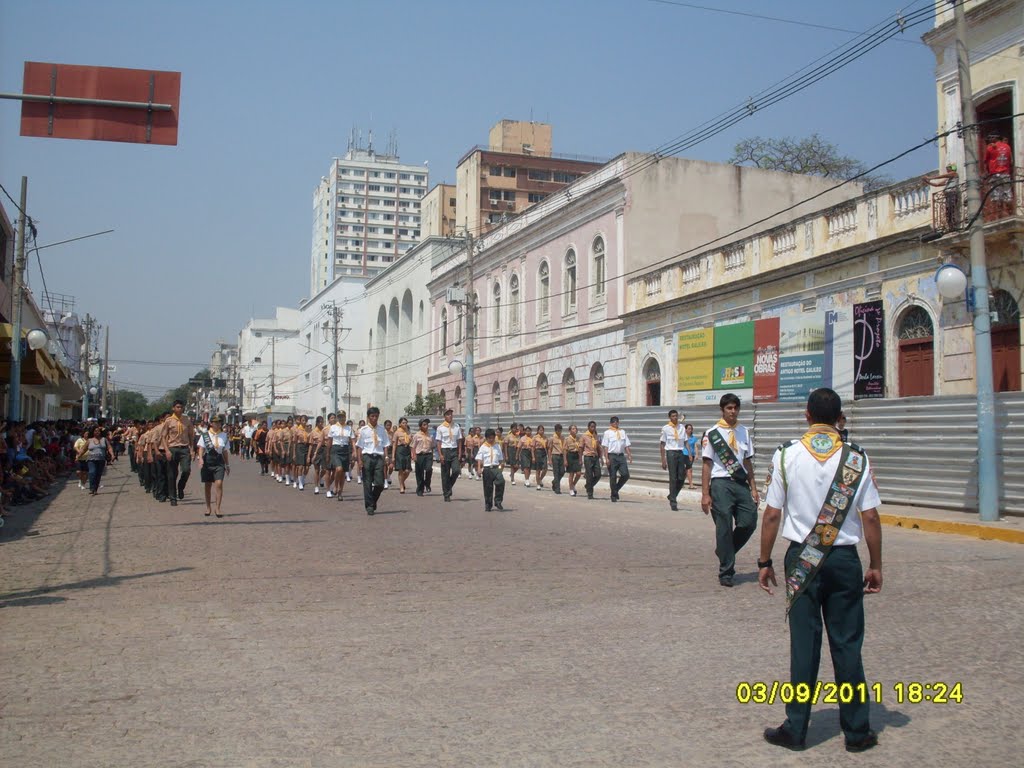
[{"x": 1001, "y": 201}]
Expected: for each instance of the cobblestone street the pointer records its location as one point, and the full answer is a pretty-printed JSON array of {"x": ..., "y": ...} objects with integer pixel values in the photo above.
[{"x": 298, "y": 631}]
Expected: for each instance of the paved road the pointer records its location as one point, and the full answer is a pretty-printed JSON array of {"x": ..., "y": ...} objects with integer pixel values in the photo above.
[{"x": 297, "y": 631}]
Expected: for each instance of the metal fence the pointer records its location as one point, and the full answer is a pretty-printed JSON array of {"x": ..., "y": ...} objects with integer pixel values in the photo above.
[{"x": 923, "y": 449}]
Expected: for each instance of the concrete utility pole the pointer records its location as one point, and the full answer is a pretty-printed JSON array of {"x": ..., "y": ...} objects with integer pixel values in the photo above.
[
  {"x": 988, "y": 481},
  {"x": 336, "y": 313},
  {"x": 273, "y": 367},
  {"x": 17, "y": 289},
  {"x": 88, "y": 382},
  {"x": 106, "y": 365},
  {"x": 471, "y": 306}
]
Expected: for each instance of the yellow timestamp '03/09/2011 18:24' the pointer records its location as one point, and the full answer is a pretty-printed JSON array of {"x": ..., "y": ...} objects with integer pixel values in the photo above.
[{"x": 911, "y": 692}]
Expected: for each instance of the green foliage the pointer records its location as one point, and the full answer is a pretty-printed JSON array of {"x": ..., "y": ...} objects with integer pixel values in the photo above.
[
  {"x": 813, "y": 156},
  {"x": 431, "y": 405},
  {"x": 181, "y": 392},
  {"x": 132, "y": 405}
]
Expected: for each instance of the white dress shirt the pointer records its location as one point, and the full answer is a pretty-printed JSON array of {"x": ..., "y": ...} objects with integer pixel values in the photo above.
[
  {"x": 615, "y": 440},
  {"x": 674, "y": 438},
  {"x": 490, "y": 455},
  {"x": 744, "y": 449},
  {"x": 366, "y": 443},
  {"x": 448, "y": 436}
]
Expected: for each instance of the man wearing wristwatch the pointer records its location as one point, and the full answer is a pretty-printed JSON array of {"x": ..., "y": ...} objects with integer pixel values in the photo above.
[{"x": 821, "y": 490}]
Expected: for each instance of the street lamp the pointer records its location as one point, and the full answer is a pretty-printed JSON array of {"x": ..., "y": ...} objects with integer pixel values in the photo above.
[
  {"x": 951, "y": 282},
  {"x": 37, "y": 338}
]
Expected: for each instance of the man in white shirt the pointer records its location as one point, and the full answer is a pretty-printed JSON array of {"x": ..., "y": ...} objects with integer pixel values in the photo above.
[
  {"x": 371, "y": 448},
  {"x": 489, "y": 461},
  {"x": 617, "y": 456},
  {"x": 673, "y": 456},
  {"x": 822, "y": 490},
  {"x": 449, "y": 442},
  {"x": 340, "y": 437},
  {"x": 728, "y": 485},
  {"x": 247, "y": 432}
]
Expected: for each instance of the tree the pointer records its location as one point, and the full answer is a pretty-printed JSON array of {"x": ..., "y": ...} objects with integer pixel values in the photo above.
[
  {"x": 132, "y": 405},
  {"x": 431, "y": 405},
  {"x": 813, "y": 156},
  {"x": 181, "y": 392}
]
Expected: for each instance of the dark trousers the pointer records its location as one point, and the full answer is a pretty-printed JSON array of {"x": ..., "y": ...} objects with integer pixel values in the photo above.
[
  {"x": 676, "y": 472},
  {"x": 179, "y": 467},
  {"x": 591, "y": 473},
  {"x": 494, "y": 486},
  {"x": 373, "y": 480},
  {"x": 837, "y": 595},
  {"x": 618, "y": 473},
  {"x": 131, "y": 459},
  {"x": 145, "y": 476},
  {"x": 159, "y": 469},
  {"x": 557, "y": 471},
  {"x": 95, "y": 473},
  {"x": 735, "y": 515},
  {"x": 449, "y": 470},
  {"x": 424, "y": 471}
]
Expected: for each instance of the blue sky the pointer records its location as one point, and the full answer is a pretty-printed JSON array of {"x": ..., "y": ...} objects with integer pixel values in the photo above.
[{"x": 217, "y": 229}]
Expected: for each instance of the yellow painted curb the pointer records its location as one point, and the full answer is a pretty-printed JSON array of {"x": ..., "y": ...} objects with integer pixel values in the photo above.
[{"x": 976, "y": 530}]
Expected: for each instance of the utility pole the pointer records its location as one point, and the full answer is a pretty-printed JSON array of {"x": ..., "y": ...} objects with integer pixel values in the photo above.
[
  {"x": 336, "y": 313},
  {"x": 18, "y": 288},
  {"x": 106, "y": 365},
  {"x": 88, "y": 343},
  {"x": 471, "y": 306},
  {"x": 273, "y": 367},
  {"x": 988, "y": 485}
]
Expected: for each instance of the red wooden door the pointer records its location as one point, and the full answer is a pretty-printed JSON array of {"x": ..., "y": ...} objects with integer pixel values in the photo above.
[
  {"x": 917, "y": 368},
  {"x": 1006, "y": 358}
]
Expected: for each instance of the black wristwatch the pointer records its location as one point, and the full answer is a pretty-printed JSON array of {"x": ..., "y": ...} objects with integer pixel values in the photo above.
[{"x": 766, "y": 564}]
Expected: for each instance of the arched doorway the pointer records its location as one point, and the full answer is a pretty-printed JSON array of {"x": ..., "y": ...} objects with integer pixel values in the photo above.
[
  {"x": 1005, "y": 343},
  {"x": 652, "y": 382},
  {"x": 915, "y": 337}
]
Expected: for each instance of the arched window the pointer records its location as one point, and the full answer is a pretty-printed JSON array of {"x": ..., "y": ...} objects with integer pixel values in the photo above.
[
  {"x": 444, "y": 401},
  {"x": 496, "y": 306},
  {"x": 513, "y": 303},
  {"x": 1005, "y": 342},
  {"x": 542, "y": 392},
  {"x": 569, "y": 389},
  {"x": 544, "y": 294},
  {"x": 599, "y": 267},
  {"x": 569, "y": 284},
  {"x": 914, "y": 334},
  {"x": 496, "y": 397},
  {"x": 597, "y": 386},
  {"x": 513, "y": 395},
  {"x": 444, "y": 331}
]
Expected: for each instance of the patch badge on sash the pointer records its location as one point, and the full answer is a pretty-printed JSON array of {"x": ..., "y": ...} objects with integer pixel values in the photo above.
[
  {"x": 846, "y": 490},
  {"x": 813, "y": 539},
  {"x": 828, "y": 535},
  {"x": 850, "y": 475},
  {"x": 839, "y": 501},
  {"x": 812, "y": 555},
  {"x": 828, "y": 514},
  {"x": 855, "y": 461},
  {"x": 821, "y": 443}
]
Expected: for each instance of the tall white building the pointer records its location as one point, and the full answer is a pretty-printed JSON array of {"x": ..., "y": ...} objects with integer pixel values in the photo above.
[{"x": 366, "y": 214}]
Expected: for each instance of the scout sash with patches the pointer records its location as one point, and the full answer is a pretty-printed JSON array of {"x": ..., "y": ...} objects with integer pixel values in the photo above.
[
  {"x": 725, "y": 454},
  {"x": 835, "y": 508}
]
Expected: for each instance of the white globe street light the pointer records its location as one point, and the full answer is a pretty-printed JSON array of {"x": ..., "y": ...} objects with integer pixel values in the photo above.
[
  {"x": 951, "y": 281},
  {"x": 93, "y": 390},
  {"x": 456, "y": 367},
  {"x": 36, "y": 338},
  {"x": 326, "y": 389},
  {"x": 267, "y": 403}
]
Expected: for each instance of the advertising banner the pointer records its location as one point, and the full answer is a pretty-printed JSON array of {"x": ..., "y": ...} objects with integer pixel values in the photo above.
[
  {"x": 766, "y": 360},
  {"x": 868, "y": 350},
  {"x": 696, "y": 360},
  {"x": 838, "y": 363},
  {"x": 801, "y": 354},
  {"x": 734, "y": 356}
]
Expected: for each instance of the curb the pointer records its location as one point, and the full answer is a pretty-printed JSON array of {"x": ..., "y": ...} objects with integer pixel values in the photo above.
[{"x": 974, "y": 530}]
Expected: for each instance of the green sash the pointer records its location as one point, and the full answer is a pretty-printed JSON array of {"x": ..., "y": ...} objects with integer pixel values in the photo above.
[
  {"x": 732, "y": 465},
  {"x": 835, "y": 508}
]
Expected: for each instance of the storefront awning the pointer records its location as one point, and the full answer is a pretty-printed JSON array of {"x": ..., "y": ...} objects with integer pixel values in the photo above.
[{"x": 37, "y": 367}]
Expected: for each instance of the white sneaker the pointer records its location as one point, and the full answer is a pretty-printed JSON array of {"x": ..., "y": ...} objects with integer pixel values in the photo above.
[
  {"x": 316, "y": 491},
  {"x": 280, "y": 480},
  {"x": 572, "y": 493},
  {"x": 359, "y": 480},
  {"x": 81, "y": 487},
  {"x": 330, "y": 495},
  {"x": 348, "y": 477},
  {"x": 387, "y": 484},
  {"x": 513, "y": 481},
  {"x": 527, "y": 483}
]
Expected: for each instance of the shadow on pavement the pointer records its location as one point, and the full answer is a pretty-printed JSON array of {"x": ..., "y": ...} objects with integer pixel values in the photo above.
[
  {"x": 825, "y": 722},
  {"x": 21, "y": 519},
  {"x": 20, "y": 598}
]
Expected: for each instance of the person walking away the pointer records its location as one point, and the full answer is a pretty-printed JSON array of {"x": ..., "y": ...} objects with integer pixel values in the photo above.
[
  {"x": 99, "y": 452},
  {"x": 178, "y": 439},
  {"x": 489, "y": 461},
  {"x": 822, "y": 493},
  {"x": 371, "y": 452},
  {"x": 617, "y": 456},
  {"x": 591, "y": 458},
  {"x": 212, "y": 446},
  {"x": 402, "y": 452},
  {"x": 557, "y": 459},
  {"x": 673, "y": 457},
  {"x": 729, "y": 490},
  {"x": 691, "y": 454},
  {"x": 449, "y": 441},
  {"x": 540, "y": 456},
  {"x": 423, "y": 450},
  {"x": 573, "y": 458}
]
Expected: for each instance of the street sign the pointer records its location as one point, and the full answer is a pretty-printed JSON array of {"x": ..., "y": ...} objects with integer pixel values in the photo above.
[{"x": 69, "y": 101}]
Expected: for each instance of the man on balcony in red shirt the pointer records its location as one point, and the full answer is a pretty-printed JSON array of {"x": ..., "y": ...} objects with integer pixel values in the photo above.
[{"x": 998, "y": 186}]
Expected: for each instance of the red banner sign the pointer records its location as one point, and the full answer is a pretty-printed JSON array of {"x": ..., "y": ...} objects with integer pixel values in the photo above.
[
  {"x": 766, "y": 360},
  {"x": 101, "y": 123}
]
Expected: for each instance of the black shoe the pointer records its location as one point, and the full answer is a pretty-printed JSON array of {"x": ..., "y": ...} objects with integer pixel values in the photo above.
[
  {"x": 447, "y": 498},
  {"x": 726, "y": 581},
  {"x": 615, "y": 498},
  {"x": 174, "y": 502},
  {"x": 370, "y": 510},
  {"x": 862, "y": 744},
  {"x": 181, "y": 493},
  {"x": 419, "y": 493},
  {"x": 780, "y": 737},
  {"x": 590, "y": 495},
  {"x": 673, "y": 506},
  {"x": 500, "y": 508},
  {"x": 487, "y": 509}
]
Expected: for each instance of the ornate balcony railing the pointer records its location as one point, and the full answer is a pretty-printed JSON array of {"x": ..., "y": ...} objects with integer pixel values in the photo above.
[{"x": 1002, "y": 198}]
